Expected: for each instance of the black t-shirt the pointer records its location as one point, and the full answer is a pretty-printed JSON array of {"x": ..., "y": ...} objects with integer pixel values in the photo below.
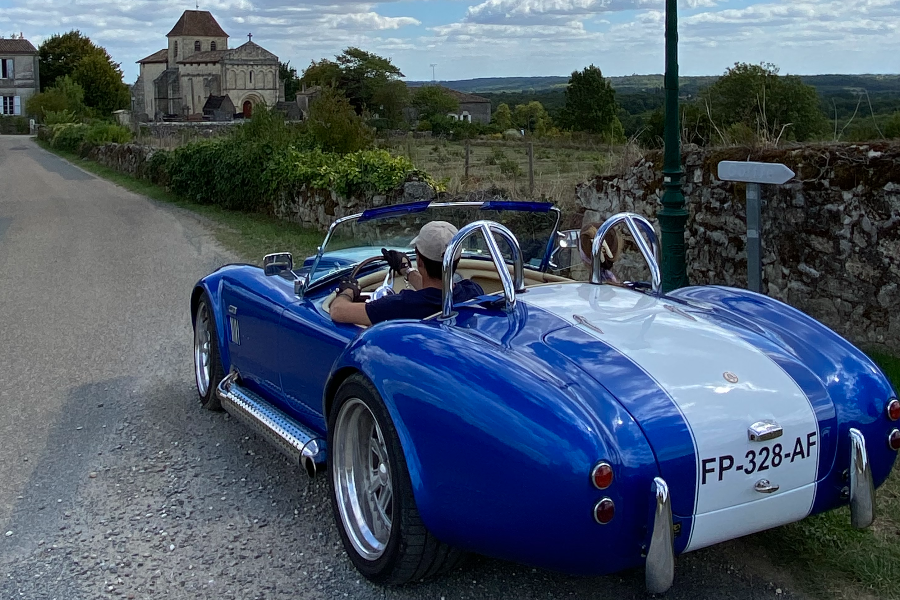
[{"x": 418, "y": 304}]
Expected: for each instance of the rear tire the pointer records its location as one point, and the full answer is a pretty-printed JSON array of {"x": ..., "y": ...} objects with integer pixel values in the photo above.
[
  {"x": 208, "y": 371},
  {"x": 371, "y": 493}
]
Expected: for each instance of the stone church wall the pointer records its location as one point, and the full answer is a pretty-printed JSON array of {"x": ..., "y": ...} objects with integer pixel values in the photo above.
[{"x": 830, "y": 237}]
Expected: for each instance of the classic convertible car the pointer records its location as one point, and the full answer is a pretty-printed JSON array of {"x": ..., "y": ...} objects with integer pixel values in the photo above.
[{"x": 585, "y": 427}]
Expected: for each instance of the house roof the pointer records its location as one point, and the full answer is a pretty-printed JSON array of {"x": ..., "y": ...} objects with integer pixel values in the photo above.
[
  {"x": 210, "y": 56},
  {"x": 464, "y": 98},
  {"x": 160, "y": 56},
  {"x": 17, "y": 46},
  {"x": 215, "y": 102},
  {"x": 197, "y": 23}
]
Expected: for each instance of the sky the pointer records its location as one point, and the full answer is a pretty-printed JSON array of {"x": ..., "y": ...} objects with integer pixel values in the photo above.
[{"x": 466, "y": 39}]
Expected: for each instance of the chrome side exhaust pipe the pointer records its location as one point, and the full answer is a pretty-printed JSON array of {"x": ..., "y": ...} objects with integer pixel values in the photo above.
[
  {"x": 294, "y": 440},
  {"x": 862, "y": 488}
]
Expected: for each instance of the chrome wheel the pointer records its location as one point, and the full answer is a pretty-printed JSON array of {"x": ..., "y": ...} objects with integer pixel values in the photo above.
[
  {"x": 361, "y": 476},
  {"x": 202, "y": 341}
]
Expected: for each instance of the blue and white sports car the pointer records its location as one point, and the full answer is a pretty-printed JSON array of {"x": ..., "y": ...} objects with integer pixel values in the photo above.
[{"x": 585, "y": 427}]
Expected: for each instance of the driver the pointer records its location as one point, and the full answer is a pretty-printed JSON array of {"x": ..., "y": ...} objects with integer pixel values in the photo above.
[{"x": 424, "y": 299}]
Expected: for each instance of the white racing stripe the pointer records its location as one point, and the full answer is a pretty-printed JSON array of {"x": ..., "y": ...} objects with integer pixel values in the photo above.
[{"x": 691, "y": 359}]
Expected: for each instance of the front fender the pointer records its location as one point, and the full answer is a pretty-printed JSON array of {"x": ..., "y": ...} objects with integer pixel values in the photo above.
[
  {"x": 499, "y": 444},
  {"x": 212, "y": 286}
]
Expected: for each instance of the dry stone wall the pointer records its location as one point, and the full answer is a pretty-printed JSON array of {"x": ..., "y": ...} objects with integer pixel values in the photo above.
[{"x": 830, "y": 237}]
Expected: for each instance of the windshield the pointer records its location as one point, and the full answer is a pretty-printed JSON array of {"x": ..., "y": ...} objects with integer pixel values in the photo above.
[{"x": 354, "y": 239}]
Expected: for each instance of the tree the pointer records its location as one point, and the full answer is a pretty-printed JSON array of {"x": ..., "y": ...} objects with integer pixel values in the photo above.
[
  {"x": 892, "y": 126},
  {"x": 75, "y": 55},
  {"x": 60, "y": 53},
  {"x": 532, "y": 117},
  {"x": 591, "y": 105},
  {"x": 289, "y": 78},
  {"x": 502, "y": 117},
  {"x": 774, "y": 106},
  {"x": 65, "y": 96},
  {"x": 433, "y": 102},
  {"x": 388, "y": 102},
  {"x": 334, "y": 124},
  {"x": 360, "y": 75},
  {"x": 102, "y": 82}
]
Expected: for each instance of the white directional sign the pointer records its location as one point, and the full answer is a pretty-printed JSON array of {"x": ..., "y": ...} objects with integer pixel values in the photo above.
[{"x": 754, "y": 172}]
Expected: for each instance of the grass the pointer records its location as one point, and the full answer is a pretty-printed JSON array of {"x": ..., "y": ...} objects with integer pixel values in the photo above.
[
  {"x": 831, "y": 558},
  {"x": 249, "y": 235},
  {"x": 503, "y": 164}
]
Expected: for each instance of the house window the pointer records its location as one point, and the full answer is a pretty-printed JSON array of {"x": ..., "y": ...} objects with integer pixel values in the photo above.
[
  {"x": 197, "y": 46},
  {"x": 6, "y": 65},
  {"x": 176, "y": 49},
  {"x": 12, "y": 105},
  {"x": 212, "y": 45}
]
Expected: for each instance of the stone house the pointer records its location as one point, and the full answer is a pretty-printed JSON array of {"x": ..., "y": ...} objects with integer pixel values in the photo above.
[
  {"x": 218, "y": 108},
  {"x": 197, "y": 64},
  {"x": 472, "y": 108},
  {"x": 19, "y": 75}
]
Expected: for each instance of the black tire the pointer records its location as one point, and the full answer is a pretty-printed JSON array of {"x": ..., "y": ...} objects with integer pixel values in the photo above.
[
  {"x": 216, "y": 373},
  {"x": 411, "y": 552}
]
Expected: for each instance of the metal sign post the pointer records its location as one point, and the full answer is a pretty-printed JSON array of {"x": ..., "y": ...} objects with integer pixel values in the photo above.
[{"x": 754, "y": 174}]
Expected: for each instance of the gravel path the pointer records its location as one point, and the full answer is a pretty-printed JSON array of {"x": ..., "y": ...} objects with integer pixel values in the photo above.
[{"x": 116, "y": 484}]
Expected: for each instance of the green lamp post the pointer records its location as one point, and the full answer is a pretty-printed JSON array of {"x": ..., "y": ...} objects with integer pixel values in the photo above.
[{"x": 673, "y": 215}]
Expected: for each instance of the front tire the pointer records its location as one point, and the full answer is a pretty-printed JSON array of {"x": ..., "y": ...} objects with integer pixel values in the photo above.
[
  {"x": 208, "y": 371},
  {"x": 371, "y": 493}
]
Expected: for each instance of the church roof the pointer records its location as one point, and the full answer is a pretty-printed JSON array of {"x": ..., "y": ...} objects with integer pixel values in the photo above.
[
  {"x": 198, "y": 23},
  {"x": 17, "y": 46},
  {"x": 210, "y": 56},
  {"x": 160, "y": 56}
]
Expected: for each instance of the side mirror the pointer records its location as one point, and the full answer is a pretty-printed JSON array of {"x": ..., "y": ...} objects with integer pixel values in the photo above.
[
  {"x": 565, "y": 252},
  {"x": 275, "y": 264}
]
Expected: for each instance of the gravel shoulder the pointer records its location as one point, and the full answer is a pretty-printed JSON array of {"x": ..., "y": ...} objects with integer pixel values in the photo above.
[{"x": 117, "y": 484}]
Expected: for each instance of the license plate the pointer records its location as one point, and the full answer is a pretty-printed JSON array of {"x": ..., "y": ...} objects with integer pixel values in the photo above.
[{"x": 758, "y": 459}]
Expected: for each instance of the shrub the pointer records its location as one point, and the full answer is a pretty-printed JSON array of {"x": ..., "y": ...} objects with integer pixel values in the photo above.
[
  {"x": 68, "y": 136},
  {"x": 13, "y": 125}
]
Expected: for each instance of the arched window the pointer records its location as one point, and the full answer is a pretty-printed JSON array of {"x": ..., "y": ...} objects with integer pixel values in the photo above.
[
  {"x": 197, "y": 46},
  {"x": 212, "y": 45},
  {"x": 251, "y": 77},
  {"x": 176, "y": 49}
]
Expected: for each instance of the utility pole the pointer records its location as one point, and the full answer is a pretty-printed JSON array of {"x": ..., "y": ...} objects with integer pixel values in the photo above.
[
  {"x": 673, "y": 215},
  {"x": 433, "y": 65}
]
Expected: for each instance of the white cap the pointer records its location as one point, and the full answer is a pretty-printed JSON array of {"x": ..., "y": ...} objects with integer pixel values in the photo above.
[{"x": 433, "y": 239}]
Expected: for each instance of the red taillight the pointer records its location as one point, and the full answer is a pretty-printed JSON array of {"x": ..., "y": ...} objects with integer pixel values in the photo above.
[
  {"x": 602, "y": 475},
  {"x": 893, "y": 409},
  {"x": 894, "y": 439},
  {"x": 604, "y": 511}
]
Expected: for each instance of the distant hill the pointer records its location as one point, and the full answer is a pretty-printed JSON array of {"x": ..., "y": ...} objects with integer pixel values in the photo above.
[{"x": 826, "y": 85}]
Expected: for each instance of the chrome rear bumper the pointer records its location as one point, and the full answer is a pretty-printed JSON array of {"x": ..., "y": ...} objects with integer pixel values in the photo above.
[
  {"x": 862, "y": 488},
  {"x": 660, "y": 570}
]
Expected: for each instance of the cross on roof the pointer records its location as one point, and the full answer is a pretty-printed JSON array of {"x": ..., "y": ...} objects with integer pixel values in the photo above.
[{"x": 250, "y": 37}]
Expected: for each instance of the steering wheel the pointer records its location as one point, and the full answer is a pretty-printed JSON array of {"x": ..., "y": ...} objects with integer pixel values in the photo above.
[{"x": 387, "y": 286}]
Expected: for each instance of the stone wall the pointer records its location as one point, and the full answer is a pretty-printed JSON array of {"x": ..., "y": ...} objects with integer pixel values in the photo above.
[
  {"x": 320, "y": 208},
  {"x": 830, "y": 237},
  {"x": 130, "y": 159}
]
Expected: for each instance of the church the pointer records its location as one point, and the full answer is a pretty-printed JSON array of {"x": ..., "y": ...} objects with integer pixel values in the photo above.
[{"x": 198, "y": 70}]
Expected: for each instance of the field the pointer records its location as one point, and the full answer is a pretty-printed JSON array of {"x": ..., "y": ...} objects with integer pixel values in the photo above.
[{"x": 501, "y": 166}]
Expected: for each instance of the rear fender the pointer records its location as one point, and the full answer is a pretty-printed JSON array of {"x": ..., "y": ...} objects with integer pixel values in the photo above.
[
  {"x": 499, "y": 447},
  {"x": 856, "y": 386}
]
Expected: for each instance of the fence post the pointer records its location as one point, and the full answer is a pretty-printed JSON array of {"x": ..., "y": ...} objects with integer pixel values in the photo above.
[
  {"x": 531, "y": 169},
  {"x": 467, "y": 160}
]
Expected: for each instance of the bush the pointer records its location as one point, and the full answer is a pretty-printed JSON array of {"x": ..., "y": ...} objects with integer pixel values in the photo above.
[
  {"x": 13, "y": 125},
  {"x": 80, "y": 138},
  {"x": 68, "y": 136}
]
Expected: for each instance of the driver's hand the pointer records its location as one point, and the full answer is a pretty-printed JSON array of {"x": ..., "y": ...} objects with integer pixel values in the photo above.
[
  {"x": 348, "y": 283},
  {"x": 396, "y": 260}
]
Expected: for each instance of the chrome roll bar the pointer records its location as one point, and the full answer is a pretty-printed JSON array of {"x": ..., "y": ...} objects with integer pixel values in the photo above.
[
  {"x": 638, "y": 226},
  {"x": 511, "y": 285}
]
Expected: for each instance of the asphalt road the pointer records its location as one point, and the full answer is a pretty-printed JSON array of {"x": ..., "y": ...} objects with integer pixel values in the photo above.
[{"x": 113, "y": 481}]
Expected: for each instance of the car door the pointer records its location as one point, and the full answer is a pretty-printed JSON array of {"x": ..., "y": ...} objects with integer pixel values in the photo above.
[{"x": 253, "y": 307}]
